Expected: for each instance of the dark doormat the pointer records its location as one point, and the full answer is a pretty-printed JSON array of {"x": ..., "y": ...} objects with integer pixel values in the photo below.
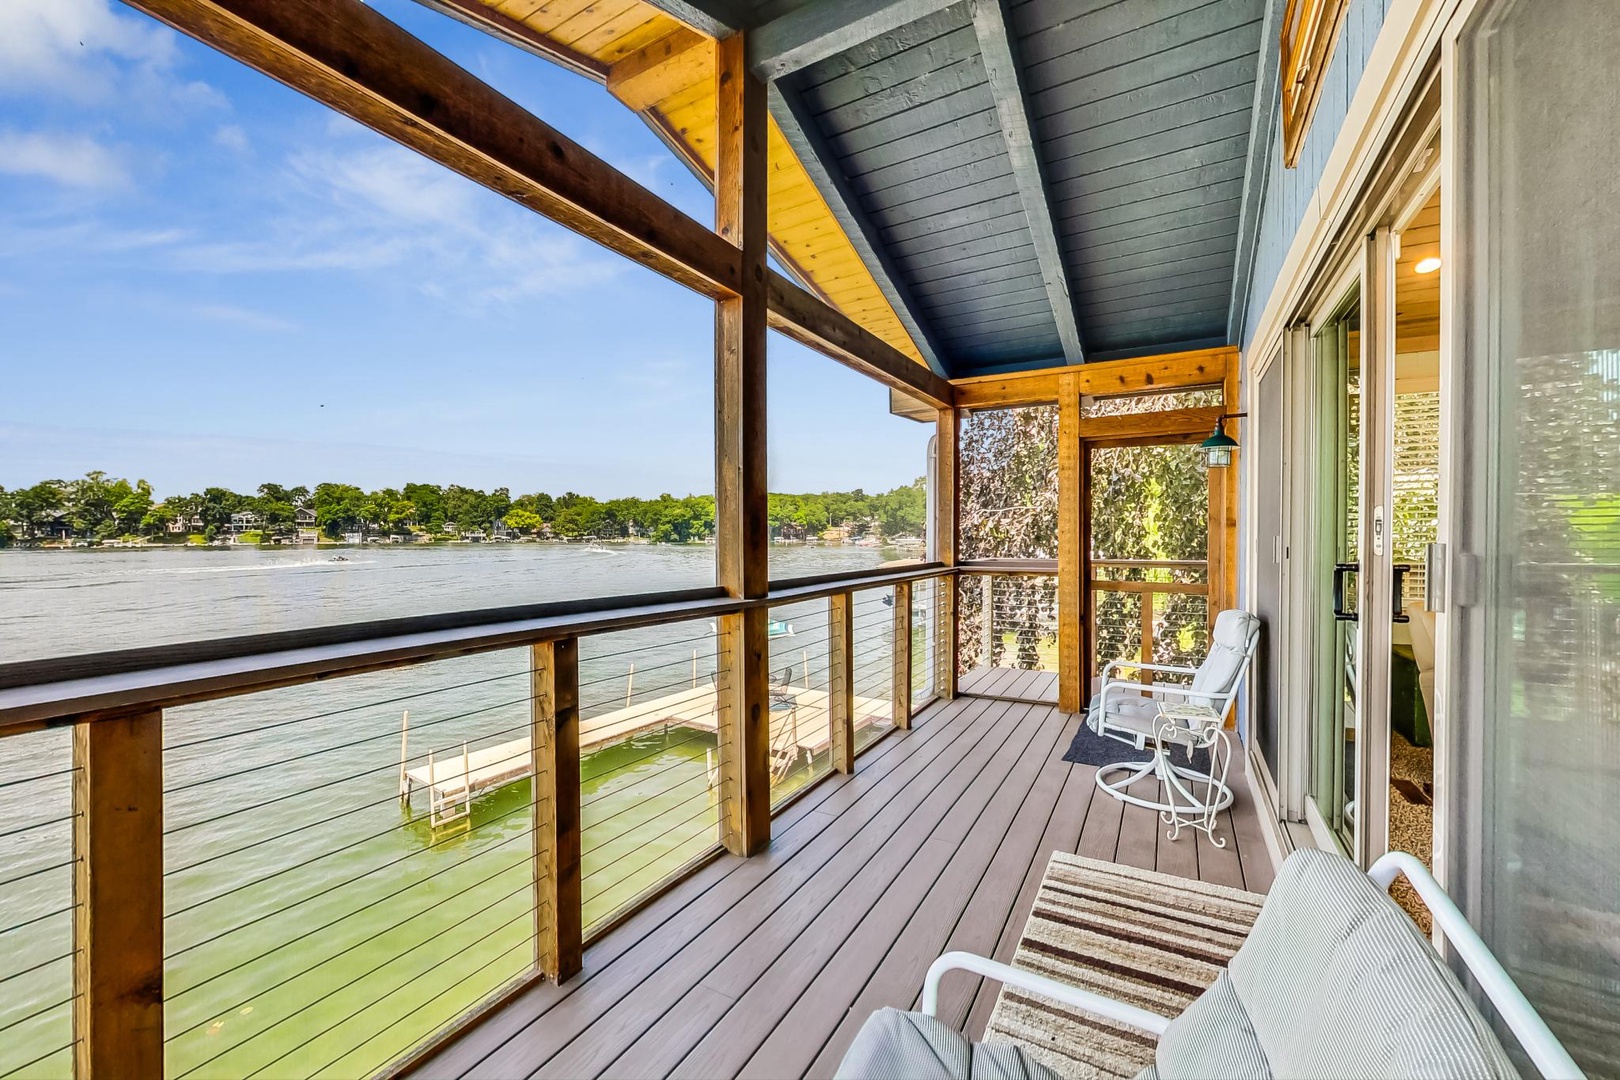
[{"x": 1089, "y": 748}]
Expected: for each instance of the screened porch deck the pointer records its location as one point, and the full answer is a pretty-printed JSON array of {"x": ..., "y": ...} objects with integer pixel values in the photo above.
[{"x": 767, "y": 966}]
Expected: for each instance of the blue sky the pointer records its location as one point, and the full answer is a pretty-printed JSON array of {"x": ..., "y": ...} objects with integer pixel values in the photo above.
[{"x": 206, "y": 278}]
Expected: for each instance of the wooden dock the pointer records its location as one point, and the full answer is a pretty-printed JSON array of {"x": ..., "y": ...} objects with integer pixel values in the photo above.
[{"x": 455, "y": 777}]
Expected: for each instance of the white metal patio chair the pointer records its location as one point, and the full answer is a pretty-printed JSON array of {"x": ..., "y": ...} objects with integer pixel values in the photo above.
[{"x": 1129, "y": 711}]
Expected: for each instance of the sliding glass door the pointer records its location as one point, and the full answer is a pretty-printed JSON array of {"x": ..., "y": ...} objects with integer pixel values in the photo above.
[{"x": 1530, "y": 630}]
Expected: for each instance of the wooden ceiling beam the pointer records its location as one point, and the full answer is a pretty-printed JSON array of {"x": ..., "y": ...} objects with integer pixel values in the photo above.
[
  {"x": 802, "y": 317},
  {"x": 826, "y": 28},
  {"x": 999, "y": 53},
  {"x": 1100, "y": 378},
  {"x": 662, "y": 69}
]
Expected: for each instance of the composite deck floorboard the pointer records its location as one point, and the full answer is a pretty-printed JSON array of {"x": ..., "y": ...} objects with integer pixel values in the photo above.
[{"x": 766, "y": 967}]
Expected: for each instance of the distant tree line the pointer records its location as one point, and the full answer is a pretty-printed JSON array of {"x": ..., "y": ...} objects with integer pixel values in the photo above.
[{"x": 102, "y": 507}]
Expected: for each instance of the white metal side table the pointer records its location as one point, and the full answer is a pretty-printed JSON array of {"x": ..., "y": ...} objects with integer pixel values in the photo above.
[{"x": 1196, "y": 727}]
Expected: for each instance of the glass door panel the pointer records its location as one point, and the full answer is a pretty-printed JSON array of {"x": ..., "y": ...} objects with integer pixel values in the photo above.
[{"x": 1334, "y": 749}]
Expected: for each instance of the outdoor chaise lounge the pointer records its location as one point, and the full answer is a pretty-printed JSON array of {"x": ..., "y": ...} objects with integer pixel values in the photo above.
[{"x": 1333, "y": 980}]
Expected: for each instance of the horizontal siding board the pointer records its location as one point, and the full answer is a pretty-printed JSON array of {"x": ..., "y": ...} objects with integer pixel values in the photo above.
[
  {"x": 992, "y": 218},
  {"x": 1131, "y": 334},
  {"x": 1004, "y": 314},
  {"x": 1106, "y": 278},
  {"x": 942, "y": 263},
  {"x": 1100, "y": 39},
  {"x": 985, "y": 294},
  {"x": 1012, "y": 223},
  {"x": 917, "y": 34},
  {"x": 1000, "y": 354},
  {"x": 1136, "y": 130},
  {"x": 992, "y": 194},
  {"x": 941, "y": 160},
  {"x": 1177, "y": 237},
  {"x": 1171, "y": 255},
  {"x": 917, "y": 123},
  {"x": 1019, "y": 262},
  {"x": 1213, "y": 293}
]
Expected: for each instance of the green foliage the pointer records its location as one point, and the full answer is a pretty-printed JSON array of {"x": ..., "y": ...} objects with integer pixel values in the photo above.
[{"x": 102, "y": 507}]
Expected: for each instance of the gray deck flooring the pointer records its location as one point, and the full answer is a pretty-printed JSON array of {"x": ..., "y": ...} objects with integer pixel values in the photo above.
[
  {"x": 1010, "y": 684},
  {"x": 767, "y": 966}
]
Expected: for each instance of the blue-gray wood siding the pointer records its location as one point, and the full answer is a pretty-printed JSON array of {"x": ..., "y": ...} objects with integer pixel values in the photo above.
[{"x": 1288, "y": 191}]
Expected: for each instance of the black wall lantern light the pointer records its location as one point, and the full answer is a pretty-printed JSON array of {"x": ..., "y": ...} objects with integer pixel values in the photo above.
[{"x": 1219, "y": 446}]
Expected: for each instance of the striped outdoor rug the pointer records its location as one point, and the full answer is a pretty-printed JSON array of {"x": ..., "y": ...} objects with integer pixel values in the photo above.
[{"x": 1150, "y": 939}]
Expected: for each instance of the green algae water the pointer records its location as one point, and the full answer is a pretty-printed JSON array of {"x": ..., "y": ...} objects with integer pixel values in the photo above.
[{"x": 316, "y": 924}]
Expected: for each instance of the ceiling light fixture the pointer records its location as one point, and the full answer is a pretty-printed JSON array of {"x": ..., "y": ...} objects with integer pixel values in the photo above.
[{"x": 1429, "y": 265}]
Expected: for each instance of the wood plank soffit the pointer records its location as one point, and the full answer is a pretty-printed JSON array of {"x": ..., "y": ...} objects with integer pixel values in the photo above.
[{"x": 658, "y": 71}]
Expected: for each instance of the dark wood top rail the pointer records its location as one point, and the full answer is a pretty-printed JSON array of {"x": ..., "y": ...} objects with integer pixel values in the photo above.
[{"x": 43, "y": 693}]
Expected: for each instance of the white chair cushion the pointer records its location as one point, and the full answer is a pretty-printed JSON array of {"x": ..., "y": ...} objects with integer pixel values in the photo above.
[{"x": 1231, "y": 643}]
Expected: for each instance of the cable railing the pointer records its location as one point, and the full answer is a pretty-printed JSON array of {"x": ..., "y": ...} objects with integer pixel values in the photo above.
[
  {"x": 1007, "y": 630},
  {"x": 37, "y": 944},
  {"x": 342, "y": 850},
  {"x": 1149, "y": 610}
]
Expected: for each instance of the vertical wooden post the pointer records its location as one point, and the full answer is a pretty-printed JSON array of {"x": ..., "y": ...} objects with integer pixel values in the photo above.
[
  {"x": 554, "y": 750},
  {"x": 901, "y": 695},
  {"x": 1071, "y": 598},
  {"x": 1232, "y": 395},
  {"x": 946, "y": 504},
  {"x": 841, "y": 680},
  {"x": 1088, "y": 640},
  {"x": 118, "y": 896},
  {"x": 741, "y": 515}
]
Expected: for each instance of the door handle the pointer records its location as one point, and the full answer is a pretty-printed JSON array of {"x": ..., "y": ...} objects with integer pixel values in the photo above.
[
  {"x": 1340, "y": 572},
  {"x": 1399, "y": 587},
  {"x": 1434, "y": 577}
]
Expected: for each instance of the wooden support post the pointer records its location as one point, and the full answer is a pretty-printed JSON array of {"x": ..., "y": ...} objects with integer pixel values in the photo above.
[
  {"x": 841, "y": 680},
  {"x": 554, "y": 746},
  {"x": 118, "y": 896},
  {"x": 1232, "y": 395},
  {"x": 946, "y": 499},
  {"x": 902, "y": 655},
  {"x": 1072, "y": 518},
  {"x": 1088, "y": 641},
  {"x": 742, "y": 523}
]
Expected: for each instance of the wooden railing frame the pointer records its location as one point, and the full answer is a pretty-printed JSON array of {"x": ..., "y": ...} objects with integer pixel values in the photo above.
[{"x": 1148, "y": 590}]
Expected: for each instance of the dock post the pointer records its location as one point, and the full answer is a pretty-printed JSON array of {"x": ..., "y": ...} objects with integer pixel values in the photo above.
[
  {"x": 806, "y": 659},
  {"x": 629, "y": 685},
  {"x": 404, "y": 781},
  {"x": 466, "y": 784},
  {"x": 433, "y": 794}
]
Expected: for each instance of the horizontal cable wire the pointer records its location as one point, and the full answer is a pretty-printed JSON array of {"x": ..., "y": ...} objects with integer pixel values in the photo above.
[
  {"x": 40, "y": 1012},
  {"x": 339, "y": 746},
  {"x": 413, "y": 696},
  {"x": 644, "y": 800},
  {"x": 19, "y": 1070},
  {"x": 324, "y": 926},
  {"x": 311, "y": 1004},
  {"x": 37, "y": 825},
  {"x": 36, "y": 779},
  {"x": 385, "y": 997},
  {"x": 43, "y": 963},
  {"x": 37, "y": 919},
  {"x": 643, "y": 779},
  {"x": 655, "y": 857},
  {"x": 485, "y": 966},
  {"x": 36, "y": 873},
  {"x": 390, "y": 767},
  {"x": 307, "y": 862}
]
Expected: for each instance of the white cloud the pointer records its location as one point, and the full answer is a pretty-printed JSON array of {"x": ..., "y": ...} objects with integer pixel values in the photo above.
[
  {"x": 75, "y": 160},
  {"x": 382, "y": 206},
  {"x": 231, "y": 137},
  {"x": 84, "y": 51}
]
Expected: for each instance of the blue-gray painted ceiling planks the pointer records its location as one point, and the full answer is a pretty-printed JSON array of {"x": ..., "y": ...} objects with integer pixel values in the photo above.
[{"x": 1140, "y": 111}]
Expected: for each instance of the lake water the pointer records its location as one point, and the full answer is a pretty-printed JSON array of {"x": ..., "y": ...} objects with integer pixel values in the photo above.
[{"x": 315, "y": 925}]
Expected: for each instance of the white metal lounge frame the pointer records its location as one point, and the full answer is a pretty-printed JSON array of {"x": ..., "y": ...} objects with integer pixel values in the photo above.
[
  {"x": 1540, "y": 1045},
  {"x": 1221, "y": 702}
]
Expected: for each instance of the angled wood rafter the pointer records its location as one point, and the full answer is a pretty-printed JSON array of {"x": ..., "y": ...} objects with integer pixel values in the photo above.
[
  {"x": 1012, "y": 108},
  {"x": 826, "y": 28},
  {"x": 806, "y": 140},
  {"x": 668, "y": 65},
  {"x": 1255, "y": 170}
]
